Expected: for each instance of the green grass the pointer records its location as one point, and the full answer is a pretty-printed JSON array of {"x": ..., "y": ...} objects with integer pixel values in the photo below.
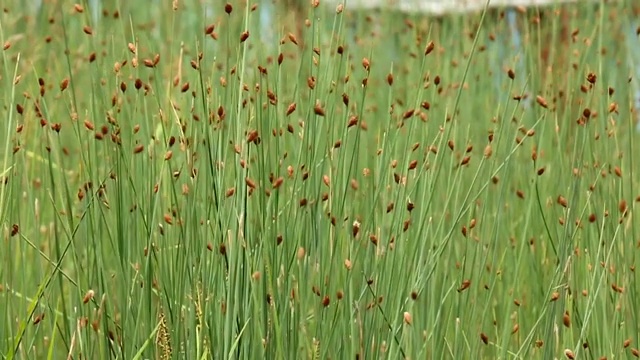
[{"x": 214, "y": 204}]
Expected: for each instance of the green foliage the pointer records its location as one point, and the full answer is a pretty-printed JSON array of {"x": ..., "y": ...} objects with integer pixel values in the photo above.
[{"x": 180, "y": 184}]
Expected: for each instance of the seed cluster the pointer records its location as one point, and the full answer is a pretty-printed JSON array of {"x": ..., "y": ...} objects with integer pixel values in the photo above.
[{"x": 323, "y": 191}]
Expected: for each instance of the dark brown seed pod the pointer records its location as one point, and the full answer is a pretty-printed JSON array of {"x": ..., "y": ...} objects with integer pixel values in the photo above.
[
  {"x": 291, "y": 108},
  {"x": 465, "y": 285},
  {"x": 64, "y": 84},
  {"x": 429, "y": 48},
  {"x": 366, "y": 64},
  {"x": 244, "y": 36},
  {"x": 541, "y": 101},
  {"x": 15, "y": 229},
  {"x": 277, "y": 182},
  {"x": 138, "y": 149},
  {"x": 252, "y": 136},
  {"x": 407, "y": 114},
  {"x": 622, "y": 206},
  {"x": 353, "y": 120},
  {"x": 566, "y": 319},
  {"x": 250, "y": 183},
  {"x": 617, "y": 171},
  {"x": 318, "y": 110},
  {"x": 569, "y": 354},
  {"x": 355, "y": 228},
  {"x": 37, "y": 319},
  {"x": 562, "y": 201}
]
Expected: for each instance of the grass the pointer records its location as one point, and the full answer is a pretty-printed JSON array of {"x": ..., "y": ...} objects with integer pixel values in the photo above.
[{"x": 391, "y": 186}]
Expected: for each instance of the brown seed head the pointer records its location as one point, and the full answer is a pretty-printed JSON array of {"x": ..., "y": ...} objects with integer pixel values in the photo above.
[
  {"x": 622, "y": 206},
  {"x": 366, "y": 64},
  {"x": 617, "y": 171},
  {"x": 318, "y": 110},
  {"x": 250, "y": 183},
  {"x": 244, "y": 36},
  {"x": 138, "y": 149},
  {"x": 355, "y": 228},
  {"x": 252, "y": 136},
  {"x": 64, "y": 84},
  {"x": 569, "y": 354},
  {"x": 541, "y": 101},
  {"x": 88, "y": 296},
  {"x": 347, "y": 264},
  {"x": 562, "y": 201},
  {"x": 566, "y": 319},
  {"x": 488, "y": 150},
  {"x": 354, "y": 184},
  {"x": 277, "y": 182},
  {"x": 291, "y": 108},
  {"x": 407, "y": 318},
  {"x": 465, "y": 285},
  {"x": 37, "y": 319},
  {"x": 429, "y": 48}
]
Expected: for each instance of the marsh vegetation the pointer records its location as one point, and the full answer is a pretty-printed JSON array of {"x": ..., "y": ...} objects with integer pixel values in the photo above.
[{"x": 180, "y": 181}]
